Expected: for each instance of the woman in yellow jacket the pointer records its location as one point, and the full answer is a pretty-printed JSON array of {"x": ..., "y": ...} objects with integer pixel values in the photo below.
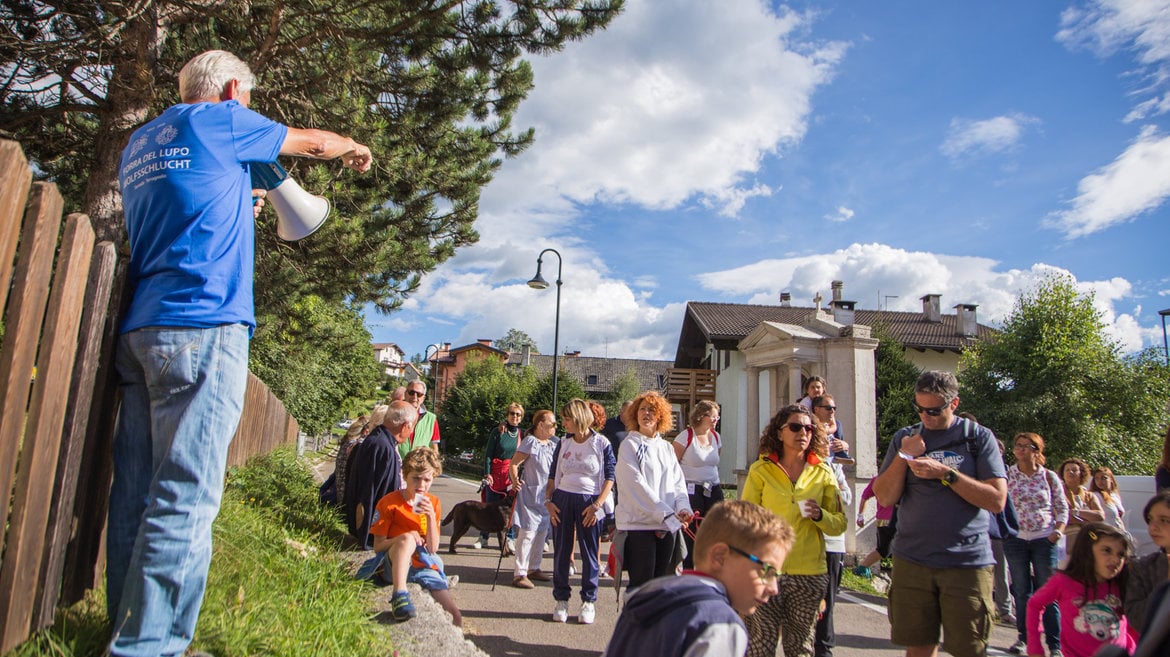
[{"x": 792, "y": 480}]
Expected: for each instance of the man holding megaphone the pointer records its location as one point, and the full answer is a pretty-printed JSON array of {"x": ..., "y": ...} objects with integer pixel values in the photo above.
[{"x": 183, "y": 349}]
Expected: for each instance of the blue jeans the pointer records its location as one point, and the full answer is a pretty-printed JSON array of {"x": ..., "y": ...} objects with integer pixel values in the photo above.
[
  {"x": 182, "y": 396},
  {"x": 588, "y": 542},
  {"x": 1030, "y": 564}
]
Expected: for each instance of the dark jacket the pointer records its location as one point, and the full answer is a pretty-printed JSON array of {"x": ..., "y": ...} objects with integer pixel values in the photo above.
[
  {"x": 667, "y": 615},
  {"x": 374, "y": 470}
]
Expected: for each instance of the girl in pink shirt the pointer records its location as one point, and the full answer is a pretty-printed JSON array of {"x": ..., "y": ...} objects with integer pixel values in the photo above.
[{"x": 1089, "y": 592}]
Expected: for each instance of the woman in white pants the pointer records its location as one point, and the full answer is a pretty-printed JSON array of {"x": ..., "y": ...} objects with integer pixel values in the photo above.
[{"x": 535, "y": 453}]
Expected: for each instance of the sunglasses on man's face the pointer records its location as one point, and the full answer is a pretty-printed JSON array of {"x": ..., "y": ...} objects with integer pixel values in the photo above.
[
  {"x": 415, "y": 393},
  {"x": 932, "y": 412},
  {"x": 827, "y": 407}
]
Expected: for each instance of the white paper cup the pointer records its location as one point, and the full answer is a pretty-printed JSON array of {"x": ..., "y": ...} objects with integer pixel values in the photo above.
[
  {"x": 805, "y": 511},
  {"x": 418, "y": 498}
]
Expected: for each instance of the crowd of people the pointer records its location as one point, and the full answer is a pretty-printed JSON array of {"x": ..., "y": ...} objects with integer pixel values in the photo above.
[
  {"x": 191, "y": 230},
  {"x": 760, "y": 575}
]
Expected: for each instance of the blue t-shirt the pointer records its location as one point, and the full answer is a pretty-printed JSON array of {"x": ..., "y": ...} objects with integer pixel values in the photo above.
[
  {"x": 936, "y": 527},
  {"x": 187, "y": 195}
]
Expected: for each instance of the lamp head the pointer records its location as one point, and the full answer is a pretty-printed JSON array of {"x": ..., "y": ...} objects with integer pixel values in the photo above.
[{"x": 538, "y": 282}]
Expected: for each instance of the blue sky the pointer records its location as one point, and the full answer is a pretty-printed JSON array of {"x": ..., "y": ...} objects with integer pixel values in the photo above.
[{"x": 732, "y": 150}]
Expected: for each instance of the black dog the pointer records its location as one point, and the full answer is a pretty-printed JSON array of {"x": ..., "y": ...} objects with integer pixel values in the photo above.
[{"x": 484, "y": 516}]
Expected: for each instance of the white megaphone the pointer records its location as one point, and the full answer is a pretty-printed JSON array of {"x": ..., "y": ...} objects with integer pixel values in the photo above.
[{"x": 298, "y": 213}]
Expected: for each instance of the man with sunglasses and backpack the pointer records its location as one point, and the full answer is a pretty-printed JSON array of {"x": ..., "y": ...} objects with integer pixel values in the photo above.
[{"x": 943, "y": 473}]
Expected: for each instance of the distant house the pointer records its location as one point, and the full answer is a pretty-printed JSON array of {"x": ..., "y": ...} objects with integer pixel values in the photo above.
[
  {"x": 598, "y": 375},
  {"x": 763, "y": 354},
  {"x": 447, "y": 363},
  {"x": 392, "y": 358}
]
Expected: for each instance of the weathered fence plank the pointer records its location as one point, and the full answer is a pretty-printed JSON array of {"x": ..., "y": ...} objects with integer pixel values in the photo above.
[
  {"x": 81, "y": 393},
  {"x": 22, "y": 324},
  {"x": 46, "y": 416},
  {"x": 15, "y": 177}
]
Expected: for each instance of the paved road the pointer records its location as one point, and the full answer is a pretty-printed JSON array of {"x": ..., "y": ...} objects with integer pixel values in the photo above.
[{"x": 510, "y": 621}]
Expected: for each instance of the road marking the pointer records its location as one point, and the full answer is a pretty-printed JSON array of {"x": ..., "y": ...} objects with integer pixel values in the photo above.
[
  {"x": 472, "y": 484},
  {"x": 881, "y": 609}
]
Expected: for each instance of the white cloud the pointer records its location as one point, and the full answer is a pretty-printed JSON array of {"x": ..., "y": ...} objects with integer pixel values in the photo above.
[
  {"x": 1106, "y": 26},
  {"x": 879, "y": 275},
  {"x": 687, "y": 116},
  {"x": 1137, "y": 181},
  {"x": 657, "y": 122},
  {"x": 841, "y": 214},
  {"x": 980, "y": 137},
  {"x": 1149, "y": 108},
  {"x": 1141, "y": 26}
]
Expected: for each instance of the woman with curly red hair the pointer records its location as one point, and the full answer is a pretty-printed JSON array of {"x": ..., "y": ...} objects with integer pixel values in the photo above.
[{"x": 653, "y": 492}]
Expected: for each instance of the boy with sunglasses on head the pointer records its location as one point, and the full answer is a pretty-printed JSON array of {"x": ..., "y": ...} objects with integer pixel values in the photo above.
[
  {"x": 739, "y": 549},
  {"x": 943, "y": 474}
]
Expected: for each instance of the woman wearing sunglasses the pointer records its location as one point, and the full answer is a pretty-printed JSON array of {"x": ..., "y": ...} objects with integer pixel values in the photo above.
[
  {"x": 1042, "y": 511},
  {"x": 792, "y": 480},
  {"x": 497, "y": 460}
]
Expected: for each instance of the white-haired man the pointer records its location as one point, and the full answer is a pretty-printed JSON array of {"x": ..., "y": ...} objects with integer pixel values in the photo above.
[{"x": 183, "y": 349}]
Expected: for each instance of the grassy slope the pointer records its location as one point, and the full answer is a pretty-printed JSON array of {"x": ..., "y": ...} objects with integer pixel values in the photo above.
[{"x": 275, "y": 586}]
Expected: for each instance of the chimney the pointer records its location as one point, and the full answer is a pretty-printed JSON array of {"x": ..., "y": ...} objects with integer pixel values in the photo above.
[
  {"x": 930, "y": 307},
  {"x": 446, "y": 347},
  {"x": 965, "y": 314},
  {"x": 843, "y": 310},
  {"x": 785, "y": 299},
  {"x": 487, "y": 342},
  {"x": 526, "y": 355},
  {"x": 837, "y": 287}
]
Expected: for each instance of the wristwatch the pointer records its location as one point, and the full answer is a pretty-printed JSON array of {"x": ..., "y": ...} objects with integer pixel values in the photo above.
[{"x": 951, "y": 477}]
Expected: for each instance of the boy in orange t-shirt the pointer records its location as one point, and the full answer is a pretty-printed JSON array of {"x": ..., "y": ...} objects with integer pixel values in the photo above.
[{"x": 406, "y": 530}]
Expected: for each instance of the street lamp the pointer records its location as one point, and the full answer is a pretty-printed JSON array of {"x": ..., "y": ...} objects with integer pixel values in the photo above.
[
  {"x": 1165, "y": 345},
  {"x": 538, "y": 283},
  {"x": 431, "y": 371}
]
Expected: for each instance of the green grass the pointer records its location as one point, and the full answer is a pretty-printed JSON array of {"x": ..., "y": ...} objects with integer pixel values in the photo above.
[{"x": 275, "y": 585}]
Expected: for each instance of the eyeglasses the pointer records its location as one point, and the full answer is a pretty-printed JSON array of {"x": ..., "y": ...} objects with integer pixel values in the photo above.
[
  {"x": 932, "y": 412},
  {"x": 767, "y": 570},
  {"x": 827, "y": 407},
  {"x": 797, "y": 427},
  {"x": 415, "y": 393},
  {"x": 1027, "y": 446},
  {"x": 515, "y": 414}
]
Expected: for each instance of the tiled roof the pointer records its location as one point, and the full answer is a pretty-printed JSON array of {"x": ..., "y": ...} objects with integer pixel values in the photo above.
[
  {"x": 607, "y": 370},
  {"x": 733, "y": 321}
]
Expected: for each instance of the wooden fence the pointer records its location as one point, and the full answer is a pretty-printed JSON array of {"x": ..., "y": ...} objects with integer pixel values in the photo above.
[{"x": 58, "y": 401}]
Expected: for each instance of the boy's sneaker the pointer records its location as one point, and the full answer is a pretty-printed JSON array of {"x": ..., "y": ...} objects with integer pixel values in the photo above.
[
  {"x": 561, "y": 612},
  {"x": 401, "y": 608},
  {"x": 585, "y": 617},
  {"x": 863, "y": 571},
  {"x": 478, "y": 544},
  {"x": 1018, "y": 648}
]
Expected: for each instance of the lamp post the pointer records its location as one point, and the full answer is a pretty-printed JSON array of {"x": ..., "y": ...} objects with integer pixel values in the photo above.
[
  {"x": 538, "y": 283},
  {"x": 1165, "y": 345},
  {"x": 431, "y": 371}
]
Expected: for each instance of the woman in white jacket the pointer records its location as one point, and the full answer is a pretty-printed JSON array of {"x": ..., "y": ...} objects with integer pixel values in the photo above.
[{"x": 653, "y": 493}]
